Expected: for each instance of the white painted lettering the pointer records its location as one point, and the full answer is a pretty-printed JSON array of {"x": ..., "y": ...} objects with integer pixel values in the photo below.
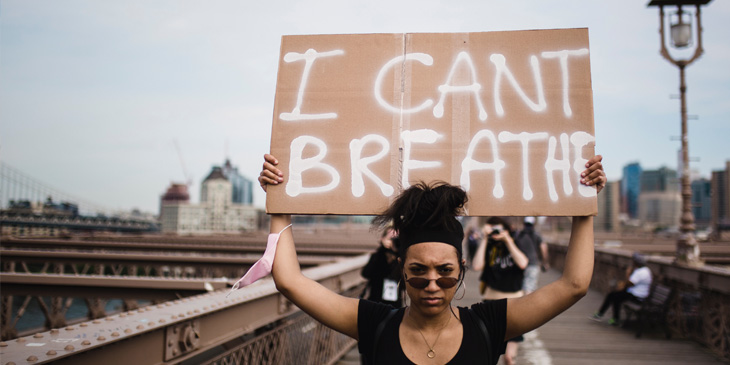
[
  {"x": 552, "y": 164},
  {"x": 524, "y": 138},
  {"x": 420, "y": 57},
  {"x": 474, "y": 87},
  {"x": 309, "y": 56},
  {"x": 297, "y": 165},
  {"x": 563, "y": 56},
  {"x": 500, "y": 62},
  {"x": 417, "y": 136},
  {"x": 359, "y": 165},
  {"x": 469, "y": 164},
  {"x": 578, "y": 140}
]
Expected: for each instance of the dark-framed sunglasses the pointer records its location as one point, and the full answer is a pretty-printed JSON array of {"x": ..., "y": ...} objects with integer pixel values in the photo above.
[{"x": 444, "y": 282}]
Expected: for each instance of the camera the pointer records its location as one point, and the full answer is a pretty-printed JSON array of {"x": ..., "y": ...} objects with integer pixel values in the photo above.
[{"x": 497, "y": 230}]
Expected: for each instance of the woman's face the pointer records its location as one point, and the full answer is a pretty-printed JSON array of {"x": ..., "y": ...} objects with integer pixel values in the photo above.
[{"x": 431, "y": 260}]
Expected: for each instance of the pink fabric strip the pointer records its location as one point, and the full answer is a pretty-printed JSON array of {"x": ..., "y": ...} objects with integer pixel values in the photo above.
[{"x": 262, "y": 267}]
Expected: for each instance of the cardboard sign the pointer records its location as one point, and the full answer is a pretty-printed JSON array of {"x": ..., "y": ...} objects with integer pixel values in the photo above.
[{"x": 506, "y": 115}]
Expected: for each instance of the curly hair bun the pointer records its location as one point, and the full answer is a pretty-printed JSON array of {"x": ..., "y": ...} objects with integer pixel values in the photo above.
[{"x": 431, "y": 206}]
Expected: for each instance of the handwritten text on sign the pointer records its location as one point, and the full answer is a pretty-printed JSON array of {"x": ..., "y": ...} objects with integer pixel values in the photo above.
[{"x": 506, "y": 115}]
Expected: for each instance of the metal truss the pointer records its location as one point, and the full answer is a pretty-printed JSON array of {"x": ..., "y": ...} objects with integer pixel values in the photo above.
[
  {"x": 109, "y": 274},
  {"x": 198, "y": 328},
  {"x": 82, "y": 223}
]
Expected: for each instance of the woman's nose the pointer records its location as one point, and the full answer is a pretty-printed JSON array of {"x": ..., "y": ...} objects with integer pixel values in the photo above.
[{"x": 432, "y": 286}]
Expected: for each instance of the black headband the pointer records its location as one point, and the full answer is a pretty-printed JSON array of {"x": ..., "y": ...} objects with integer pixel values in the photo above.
[{"x": 410, "y": 238}]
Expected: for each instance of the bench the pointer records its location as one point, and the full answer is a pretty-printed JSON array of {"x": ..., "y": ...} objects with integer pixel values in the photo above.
[{"x": 652, "y": 310}]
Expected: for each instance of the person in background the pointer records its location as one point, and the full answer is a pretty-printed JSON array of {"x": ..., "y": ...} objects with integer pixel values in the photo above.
[
  {"x": 472, "y": 240},
  {"x": 383, "y": 272},
  {"x": 536, "y": 251},
  {"x": 636, "y": 289},
  {"x": 500, "y": 259},
  {"x": 502, "y": 262}
]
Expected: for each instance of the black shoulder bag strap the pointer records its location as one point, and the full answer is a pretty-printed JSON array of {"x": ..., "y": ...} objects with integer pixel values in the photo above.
[
  {"x": 484, "y": 332},
  {"x": 379, "y": 331}
]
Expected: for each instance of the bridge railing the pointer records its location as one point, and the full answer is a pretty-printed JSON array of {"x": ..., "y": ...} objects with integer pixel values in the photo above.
[
  {"x": 700, "y": 306},
  {"x": 253, "y": 325},
  {"x": 52, "y": 283}
]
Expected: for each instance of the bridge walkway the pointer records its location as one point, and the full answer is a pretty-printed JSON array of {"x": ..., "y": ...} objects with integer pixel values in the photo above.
[{"x": 573, "y": 339}]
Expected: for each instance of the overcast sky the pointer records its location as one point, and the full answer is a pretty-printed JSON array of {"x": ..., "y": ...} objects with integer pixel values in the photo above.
[{"x": 93, "y": 94}]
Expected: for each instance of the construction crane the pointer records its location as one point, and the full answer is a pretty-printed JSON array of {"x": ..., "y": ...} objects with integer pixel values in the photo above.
[{"x": 188, "y": 178}]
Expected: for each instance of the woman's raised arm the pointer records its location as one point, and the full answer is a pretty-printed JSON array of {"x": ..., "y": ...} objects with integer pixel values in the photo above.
[
  {"x": 529, "y": 312},
  {"x": 329, "y": 308}
]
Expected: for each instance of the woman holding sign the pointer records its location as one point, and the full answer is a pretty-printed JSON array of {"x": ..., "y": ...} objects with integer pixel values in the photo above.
[{"x": 429, "y": 330}]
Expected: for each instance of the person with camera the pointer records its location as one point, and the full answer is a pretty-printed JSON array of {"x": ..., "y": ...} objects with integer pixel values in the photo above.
[{"x": 502, "y": 262}]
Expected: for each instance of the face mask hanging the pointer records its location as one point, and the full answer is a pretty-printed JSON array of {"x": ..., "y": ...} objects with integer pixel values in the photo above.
[{"x": 262, "y": 267}]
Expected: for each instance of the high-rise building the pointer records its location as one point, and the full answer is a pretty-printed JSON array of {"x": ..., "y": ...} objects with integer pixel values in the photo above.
[
  {"x": 660, "y": 202},
  {"x": 702, "y": 202},
  {"x": 630, "y": 189},
  {"x": 663, "y": 179},
  {"x": 720, "y": 190},
  {"x": 242, "y": 187},
  {"x": 607, "y": 219}
]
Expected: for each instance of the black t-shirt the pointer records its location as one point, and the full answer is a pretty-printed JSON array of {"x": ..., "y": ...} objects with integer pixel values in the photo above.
[
  {"x": 500, "y": 272},
  {"x": 473, "y": 350}
]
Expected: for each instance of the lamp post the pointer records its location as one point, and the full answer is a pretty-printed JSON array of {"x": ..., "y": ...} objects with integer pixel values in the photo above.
[{"x": 688, "y": 251}]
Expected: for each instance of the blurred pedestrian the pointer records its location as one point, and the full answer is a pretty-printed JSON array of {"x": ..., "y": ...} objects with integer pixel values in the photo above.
[
  {"x": 536, "y": 251},
  {"x": 635, "y": 288},
  {"x": 502, "y": 262},
  {"x": 383, "y": 272},
  {"x": 473, "y": 237}
]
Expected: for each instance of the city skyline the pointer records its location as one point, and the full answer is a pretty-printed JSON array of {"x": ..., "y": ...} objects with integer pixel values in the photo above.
[{"x": 94, "y": 95}]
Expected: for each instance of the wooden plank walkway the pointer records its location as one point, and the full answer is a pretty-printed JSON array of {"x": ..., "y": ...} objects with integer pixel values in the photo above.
[{"x": 572, "y": 338}]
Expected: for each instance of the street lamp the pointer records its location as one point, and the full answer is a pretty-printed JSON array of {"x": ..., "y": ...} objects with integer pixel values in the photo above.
[{"x": 688, "y": 251}]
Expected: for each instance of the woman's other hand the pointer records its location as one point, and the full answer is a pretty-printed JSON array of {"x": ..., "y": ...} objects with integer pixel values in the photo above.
[
  {"x": 270, "y": 174},
  {"x": 593, "y": 174}
]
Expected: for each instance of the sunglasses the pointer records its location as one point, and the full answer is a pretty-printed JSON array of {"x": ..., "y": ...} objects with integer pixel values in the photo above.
[{"x": 444, "y": 282}]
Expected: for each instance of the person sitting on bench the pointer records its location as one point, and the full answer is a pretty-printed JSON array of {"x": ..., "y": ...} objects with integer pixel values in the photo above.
[{"x": 636, "y": 288}]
